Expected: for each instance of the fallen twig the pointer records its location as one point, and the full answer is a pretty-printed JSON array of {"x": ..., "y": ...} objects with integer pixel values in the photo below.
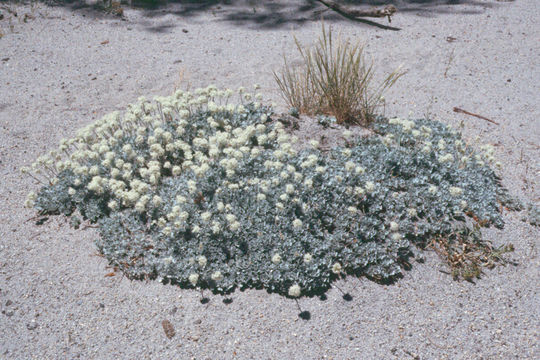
[
  {"x": 444, "y": 347},
  {"x": 387, "y": 11},
  {"x": 458, "y": 110},
  {"x": 35, "y": 217}
]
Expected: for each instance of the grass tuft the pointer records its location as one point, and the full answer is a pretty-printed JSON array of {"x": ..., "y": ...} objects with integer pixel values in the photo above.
[{"x": 334, "y": 79}]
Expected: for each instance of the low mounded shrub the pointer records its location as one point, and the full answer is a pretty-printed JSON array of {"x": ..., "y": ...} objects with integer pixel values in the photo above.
[{"x": 197, "y": 191}]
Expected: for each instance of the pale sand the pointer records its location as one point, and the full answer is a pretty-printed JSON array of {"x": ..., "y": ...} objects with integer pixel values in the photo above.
[{"x": 56, "y": 77}]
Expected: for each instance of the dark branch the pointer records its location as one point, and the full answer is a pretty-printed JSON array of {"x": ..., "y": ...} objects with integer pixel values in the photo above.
[{"x": 387, "y": 11}]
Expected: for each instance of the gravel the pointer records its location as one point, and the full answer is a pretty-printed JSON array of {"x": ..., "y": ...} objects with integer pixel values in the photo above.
[{"x": 64, "y": 67}]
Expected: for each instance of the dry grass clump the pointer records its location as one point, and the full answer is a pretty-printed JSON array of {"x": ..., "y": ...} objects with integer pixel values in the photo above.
[
  {"x": 334, "y": 79},
  {"x": 467, "y": 255}
]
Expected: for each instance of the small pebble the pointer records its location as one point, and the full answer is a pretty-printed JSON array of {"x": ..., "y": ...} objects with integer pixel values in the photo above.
[
  {"x": 9, "y": 302},
  {"x": 197, "y": 322},
  {"x": 168, "y": 328},
  {"x": 32, "y": 325}
]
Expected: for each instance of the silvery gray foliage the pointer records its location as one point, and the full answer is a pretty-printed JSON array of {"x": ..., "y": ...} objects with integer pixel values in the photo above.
[
  {"x": 533, "y": 214},
  {"x": 284, "y": 222}
]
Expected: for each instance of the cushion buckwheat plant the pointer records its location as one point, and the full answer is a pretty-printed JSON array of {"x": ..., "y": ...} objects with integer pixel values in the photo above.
[{"x": 201, "y": 192}]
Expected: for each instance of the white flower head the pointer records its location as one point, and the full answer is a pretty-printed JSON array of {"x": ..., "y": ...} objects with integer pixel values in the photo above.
[
  {"x": 370, "y": 187},
  {"x": 359, "y": 191},
  {"x": 156, "y": 200},
  {"x": 276, "y": 259},
  {"x": 140, "y": 206},
  {"x": 166, "y": 231},
  {"x": 184, "y": 215},
  {"x": 411, "y": 212},
  {"x": 217, "y": 276},
  {"x": 30, "y": 199},
  {"x": 220, "y": 206},
  {"x": 336, "y": 268},
  {"x": 193, "y": 279},
  {"x": 180, "y": 199},
  {"x": 230, "y": 218},
  {"x": 202, "y": 261},
  {"x": 255, "y": 152},
  {"x": 113, "y": 205},
  {"x": 289, "y": 189},
  {"x": 394, "y": 226},
  {"x": 234, "y": 226},
  {"x": 297, "y": 223},
  {"x": 205, "y": 216},
  {"x": 295, "y": 290},
  {"x": 441, "y": 144},
  {"x": 360, "y": 170},
  {"x": 446, "y": 158}
]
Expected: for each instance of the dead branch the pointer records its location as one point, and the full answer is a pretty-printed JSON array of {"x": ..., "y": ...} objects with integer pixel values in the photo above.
[
  {"x": 458, "y": 110},
  {"x": 387, "y": 11}
]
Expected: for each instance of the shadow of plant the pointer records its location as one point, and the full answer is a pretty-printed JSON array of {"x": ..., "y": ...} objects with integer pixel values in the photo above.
[{"x": 270, "y": 15}]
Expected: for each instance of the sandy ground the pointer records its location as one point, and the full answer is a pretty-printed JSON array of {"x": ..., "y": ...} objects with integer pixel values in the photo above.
[{"x": 65, "y": 66}]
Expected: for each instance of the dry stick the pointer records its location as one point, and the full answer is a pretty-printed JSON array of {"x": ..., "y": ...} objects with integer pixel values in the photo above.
[
  {"x": 444, "y": 347},
  {"x": 298, "y": 305},
  {"x": 35, "y": 217},
  {"x": 387, "y": 11},
  {"x": 458, "y": 110}
]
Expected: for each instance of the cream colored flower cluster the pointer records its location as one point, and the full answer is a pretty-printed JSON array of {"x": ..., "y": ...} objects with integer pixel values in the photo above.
[
  {"x": 128, "y": 155},
  {"x": 409, "y": 126}
]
